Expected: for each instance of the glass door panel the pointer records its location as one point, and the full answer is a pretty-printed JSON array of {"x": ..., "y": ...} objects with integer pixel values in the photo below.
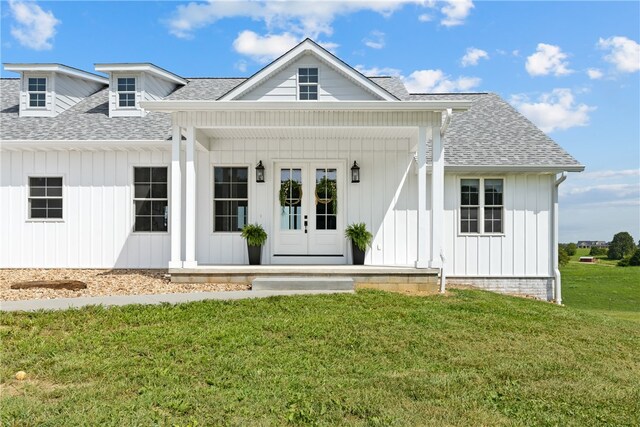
[
  {"x": 326, "y": 199},
  {"x": 290, "y": 199}
]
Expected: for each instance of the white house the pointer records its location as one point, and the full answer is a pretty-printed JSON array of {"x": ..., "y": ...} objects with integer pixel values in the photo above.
[{"x": 146, "y": 169}]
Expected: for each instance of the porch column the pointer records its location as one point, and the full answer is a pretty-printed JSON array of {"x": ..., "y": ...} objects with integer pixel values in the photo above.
[
  {"x": 423, "y": 225},
  {"x": 190, "y": 200},
  {"x": 437, "y": 197},
  {"x": 176, "y": 200}
]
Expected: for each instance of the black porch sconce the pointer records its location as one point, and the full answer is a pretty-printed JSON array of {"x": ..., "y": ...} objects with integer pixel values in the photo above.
[
  {"x": 260, "y": 172},
  {"x": 355, "y": 173}
]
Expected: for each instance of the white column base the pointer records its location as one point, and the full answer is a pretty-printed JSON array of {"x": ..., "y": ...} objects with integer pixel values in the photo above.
[
  {"x": 175, "y": 264},
  {"x": 189, "y": 264},
  {"x": 422, "y": 264}
]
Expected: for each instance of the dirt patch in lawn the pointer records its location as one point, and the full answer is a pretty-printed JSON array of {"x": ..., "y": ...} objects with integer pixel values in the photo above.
[{"x": 101, "y": 283}]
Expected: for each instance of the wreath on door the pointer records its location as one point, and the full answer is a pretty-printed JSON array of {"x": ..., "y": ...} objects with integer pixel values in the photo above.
[
  {"x": 287, "y": 189},
  {"x": 327, "y": 192}
]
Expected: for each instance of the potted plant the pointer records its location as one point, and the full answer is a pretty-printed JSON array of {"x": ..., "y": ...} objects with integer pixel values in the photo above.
[
  {"x": 360, "y": 239},
  {"x": 255, "y": 236}
]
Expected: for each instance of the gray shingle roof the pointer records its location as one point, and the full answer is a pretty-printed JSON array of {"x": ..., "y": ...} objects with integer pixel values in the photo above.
[{"x": 491, "y": 133}]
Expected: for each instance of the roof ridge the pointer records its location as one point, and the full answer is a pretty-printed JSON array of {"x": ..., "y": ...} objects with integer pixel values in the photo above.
[{"x": 450, "y": 93}]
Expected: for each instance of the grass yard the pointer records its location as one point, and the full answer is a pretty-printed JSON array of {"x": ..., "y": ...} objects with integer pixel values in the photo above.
[
  {"x": 602, "y": 287},
  {"x": 372, "y": 358}
]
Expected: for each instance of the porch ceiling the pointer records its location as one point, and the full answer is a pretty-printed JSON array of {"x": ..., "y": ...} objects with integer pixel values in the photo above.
[{"x": 310, "y": 133}]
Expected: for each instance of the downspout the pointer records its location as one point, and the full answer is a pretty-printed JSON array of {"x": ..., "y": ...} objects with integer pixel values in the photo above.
[
  {"x": 556, "y": 270},
  {"x": 443, "y": 275}
]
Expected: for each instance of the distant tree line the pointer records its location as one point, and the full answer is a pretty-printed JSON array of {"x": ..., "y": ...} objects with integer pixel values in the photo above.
[{"x": 622, "y": 248}]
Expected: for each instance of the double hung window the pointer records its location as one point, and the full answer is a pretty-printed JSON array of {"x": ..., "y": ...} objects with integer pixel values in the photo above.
[
  {"x": 230, "y": 198},
  {"x": 150, "y": 199},
  {"x": 126, "y": 92},
  {"x": 308, "y": 83},
  {"x": 37, "y": 92},
  {"x": 45, "y": 197},
  {"x": 481, "y": 205}
]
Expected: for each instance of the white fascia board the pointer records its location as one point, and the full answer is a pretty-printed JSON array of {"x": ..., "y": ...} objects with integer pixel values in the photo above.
[
  {"x": 141, "y": 67},
  {"x": 514, "y": 168},
  {"x": 56, "y": 68},
  {"x": 300, "y": 49},
  {"x": 181, "y": 105}
]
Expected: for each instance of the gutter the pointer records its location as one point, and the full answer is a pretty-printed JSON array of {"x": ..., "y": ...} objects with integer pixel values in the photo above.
[{"x": 554, "y": 242}]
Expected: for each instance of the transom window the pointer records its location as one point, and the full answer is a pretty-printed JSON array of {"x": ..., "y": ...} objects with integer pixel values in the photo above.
[
  {"x": 37, "y": 92},
  {"x": 481, "y": 211},
  {"x": 308, "y": 83},
  {"x": 45, "y": 197},
  {"x": 230, "y": 198},
  {"x": 150, "y": 199},
  {"x": 126, "y": 92}
]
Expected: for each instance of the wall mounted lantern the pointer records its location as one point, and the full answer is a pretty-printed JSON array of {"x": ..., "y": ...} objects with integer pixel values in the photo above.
[
  {"x": 260, "y": 172},
  {"x": 355, "y": 172}
]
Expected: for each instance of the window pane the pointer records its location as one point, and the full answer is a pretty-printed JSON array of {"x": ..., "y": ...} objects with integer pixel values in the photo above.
[
  {"x": 37, "y": 100},
  {"x": 159, "y": 174},
  {"x": 37, "y": 191},
  {"x": 159, "y": 191},
  {"x": 321, "y": 223},
  {"x": 158, "y": 223},
  {"x": 54, "y": 213},
  {"x": 54, "y": 182},
  {"x": 142, "y": 191},
  {"x": 38, "y": 213},
  {"x": 142, "y": 174},
  {"x": 37, "y": 182},
  {"x": 240, "y": 174},
  {"x": 158, "y": 207},
  {"x": 469, "y": 192},
  {"x": 38, "y": 203},
  {"x": 239, "y": 191},
  {"x": 493, "y": 192},
  {"x": 143, "y": 207},
  {"x": 222, "y": 191},
  {"x": 54, "y": 191},
  {"x": 143, "y": 223},
  {"x": 54, "y": 203}
]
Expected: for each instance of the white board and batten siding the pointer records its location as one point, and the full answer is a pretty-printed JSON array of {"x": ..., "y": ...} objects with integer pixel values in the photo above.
[
  {"x": 523, "y": 250},
  {"x": 97, "y": 226},
  {"x": 332, "y": 85},
  {"x": 69, "y": 91},
  {"x": 148, "y": 88}
]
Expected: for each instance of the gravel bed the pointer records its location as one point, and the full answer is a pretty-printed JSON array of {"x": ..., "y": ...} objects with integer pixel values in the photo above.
[{"x": 101, "y": 283}]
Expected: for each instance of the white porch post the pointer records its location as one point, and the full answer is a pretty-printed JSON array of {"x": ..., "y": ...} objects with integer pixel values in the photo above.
[
  {"x": 190, "y": 200},
  {"x": 437, "y": 197},
  {"x": 423, "y": 226},
  {"x": 176, "y": 200}
]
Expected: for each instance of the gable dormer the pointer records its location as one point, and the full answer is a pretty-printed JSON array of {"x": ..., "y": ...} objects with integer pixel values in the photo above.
[
  {"x": 130, "y": 84},
  {"x": 308, "y": 72},
  {"x": 47, "y": 90}
]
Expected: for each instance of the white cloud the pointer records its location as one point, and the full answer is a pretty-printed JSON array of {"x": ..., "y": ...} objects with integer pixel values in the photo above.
[
  {"x": 624, "y": 53},
  {"x": 425, "y": 17},
  {"x": 548, "y": 59},
  {"x": 375, "y": 40},
  {"x": 34, "y": 27},
  {"x": 303, "y": 18},
  {"x": 472, "y": 56},
  {"x": 594, "y": 73},
  {"x": 241, "y": 66},
  {"x": 263, "y": 48},
  {"x": 375, "y": 71},
  {"x": 435, "y": 81},
  {"x": 610, "y": 174},
  {"x": 554, "y": 111},
  {"x": 455, "y": 12}
]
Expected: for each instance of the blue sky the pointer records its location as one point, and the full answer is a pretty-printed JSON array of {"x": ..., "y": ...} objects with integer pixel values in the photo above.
[{"x": 571, "y": 67}]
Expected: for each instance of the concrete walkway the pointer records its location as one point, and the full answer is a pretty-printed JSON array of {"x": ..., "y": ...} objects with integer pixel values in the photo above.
[{"x": 107, "y": 301}]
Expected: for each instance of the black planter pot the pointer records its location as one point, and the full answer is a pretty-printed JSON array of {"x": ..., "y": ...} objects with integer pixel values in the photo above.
[
  {"x": 358, "y": 255},
  {"x": 255, "y": 255}
]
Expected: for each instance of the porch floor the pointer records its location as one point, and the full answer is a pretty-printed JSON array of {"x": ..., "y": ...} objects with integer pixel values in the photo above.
[{"x": 364, "y": 276}]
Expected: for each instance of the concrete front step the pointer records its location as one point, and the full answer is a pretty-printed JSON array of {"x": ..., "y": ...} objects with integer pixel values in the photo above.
[{"x": 291, "y": 283}]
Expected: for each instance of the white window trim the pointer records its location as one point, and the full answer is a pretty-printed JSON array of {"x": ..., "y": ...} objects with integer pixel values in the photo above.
[
  {"x": 29, "y": 92},
  {"x": 250, "y": 179},
  {"x": 481, "y": 206},
  {"x": 307, "y": 84},
  {"x": 135, "y": 92},
  {"x": 133, "y": 199},
  {"x": 28, "y": 197}
]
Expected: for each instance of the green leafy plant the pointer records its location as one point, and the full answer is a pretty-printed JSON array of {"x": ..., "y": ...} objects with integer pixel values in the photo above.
[
  {"x": 621, "y": 246},
  {"x": 359, "y": 235},
  {"x": 563, "y": 256},
  {"x": 254, "y": 234},
  {"x": 327, "y": 192},
  {"x": 289, "y": 189}
]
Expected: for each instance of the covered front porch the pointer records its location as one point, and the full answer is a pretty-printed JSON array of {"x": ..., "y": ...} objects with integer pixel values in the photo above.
[{"x": 400, "y": 196}]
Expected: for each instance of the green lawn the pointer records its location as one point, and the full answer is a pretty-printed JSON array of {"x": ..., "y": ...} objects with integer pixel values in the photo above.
[
  {"x": 372, "y": 358},
  {"x": 602, "y": 287}
]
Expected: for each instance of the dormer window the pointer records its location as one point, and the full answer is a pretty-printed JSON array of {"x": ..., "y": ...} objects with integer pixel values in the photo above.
[
  {"x": 308, "y": 83},
  {"x": 126, "y": 92},
  {"x": 37, "y": 92}
]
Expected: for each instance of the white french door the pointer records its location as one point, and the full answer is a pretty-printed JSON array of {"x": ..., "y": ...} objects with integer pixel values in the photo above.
[{"x": 309, "y": 211}]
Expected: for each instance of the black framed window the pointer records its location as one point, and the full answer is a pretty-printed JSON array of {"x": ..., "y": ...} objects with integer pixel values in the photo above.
[
  {"x": 45, "y": 197},
  {"x": 469, "y": 205},
  {"x": 126, "y": 92},
  {"x": 37, "y": 91},
  {"x": 308, "y": 83},
  {"x": 150, "y": 199},
  {"x": 493, "y": 191},
  {"x": 230, "y": 198}
]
